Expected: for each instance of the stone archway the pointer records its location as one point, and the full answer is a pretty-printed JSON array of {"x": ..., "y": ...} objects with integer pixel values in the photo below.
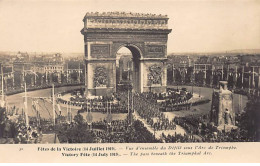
[
  {"x": 145, "y": 35},
  {"x": 136, "y": 73}
]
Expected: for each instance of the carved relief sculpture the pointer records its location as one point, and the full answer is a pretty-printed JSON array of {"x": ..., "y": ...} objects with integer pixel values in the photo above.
[
  {"x": 154, "y": 75},
  {"x": 100, "y": 77}
]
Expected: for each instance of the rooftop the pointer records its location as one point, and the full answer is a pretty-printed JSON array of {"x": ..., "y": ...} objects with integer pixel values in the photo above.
[{"x": 124, "y": 14}]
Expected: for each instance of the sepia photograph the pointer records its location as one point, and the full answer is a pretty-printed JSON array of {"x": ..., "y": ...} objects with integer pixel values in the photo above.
[{"x": 95, "y": 72}]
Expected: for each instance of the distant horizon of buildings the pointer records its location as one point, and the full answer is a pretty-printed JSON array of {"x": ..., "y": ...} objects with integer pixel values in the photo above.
[{"x": 177, "y": 53}]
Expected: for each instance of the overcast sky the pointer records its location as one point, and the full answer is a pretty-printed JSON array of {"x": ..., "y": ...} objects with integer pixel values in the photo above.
[{"x": 197, "y": 25}]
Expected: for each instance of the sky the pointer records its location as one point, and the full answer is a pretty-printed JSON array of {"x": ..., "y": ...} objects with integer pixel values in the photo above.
[{"x": 197, "y": 25}]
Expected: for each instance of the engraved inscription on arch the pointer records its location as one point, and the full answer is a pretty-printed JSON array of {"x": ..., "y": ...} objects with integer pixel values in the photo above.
[
  {"x": 155, "y": 49},
  {"x": 100, "y": 50}
]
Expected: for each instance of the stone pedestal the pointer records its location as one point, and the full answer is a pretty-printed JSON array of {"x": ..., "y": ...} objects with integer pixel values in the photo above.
[
  {"x": 226, "y": 128},
  {"x": 222, "y": 112}
]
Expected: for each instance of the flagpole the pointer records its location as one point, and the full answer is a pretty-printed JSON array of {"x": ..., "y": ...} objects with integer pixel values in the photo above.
[
  {"x": 241, "y": 102},
  {"x": 67, "y": 72},
  {"x": 107, "y": 107},
  {"x": 70, "y": 118},
  {"x": 110, "y": 106},
  {"x": 23, "y": 76},
  {"x": 128, "y": 100},
  {"x": 90, "y": 106},
  {"x": 53, "y": 105},
  {"x": 2, "y": 73},
  {"x": 199, "y": 91},
  {"x": 79, "y": 73},
  {"x": 132, "y": 101},
  {"x": 38, "y": 114},
  {"x": 128, "y": 95},
  {"x": 130, "y": 117},
  {"x": 107, "y": 117},
  {"x": 67, "y": 111},
  {"x": 222, "y": 74},
  {"x": 25, "y": 106},
  {"x": 87, "y": 105}
]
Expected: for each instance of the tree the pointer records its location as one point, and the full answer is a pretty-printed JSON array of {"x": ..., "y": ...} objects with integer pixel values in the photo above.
[
  {"x": 78, "y": 119},
  {"x": 2, "y": 120}
]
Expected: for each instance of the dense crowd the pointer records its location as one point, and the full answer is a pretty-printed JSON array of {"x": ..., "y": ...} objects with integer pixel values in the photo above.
[
  {"x": 135, "y": 133},
  {"x": 118, "y": 131},
  {"x": 199, "y": 127},
  {"x": 117, "y": 103},
  {"x": 14, "y": 126},
  {"x": 172, "y": 100},
  {"x": 178, "y": 138},
  {"x": 149, "y": 107},
  {"x": 114, "y": 126},
  {"x": 192, "y": 123},
  {"x": 148, "y": 110}
]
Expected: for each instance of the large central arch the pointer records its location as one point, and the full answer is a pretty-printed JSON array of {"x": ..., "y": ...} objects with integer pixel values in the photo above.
[
  {"x": 137, "y": 73},
  {"x": 145, "y": 35}
]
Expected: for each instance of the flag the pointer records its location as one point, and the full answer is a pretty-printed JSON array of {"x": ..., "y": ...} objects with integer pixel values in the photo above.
[
  {"x": 58, "y": 105},
  {"x": 2, "y": 103}
]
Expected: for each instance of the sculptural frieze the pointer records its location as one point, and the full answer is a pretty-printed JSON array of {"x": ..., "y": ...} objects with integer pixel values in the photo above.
[
  {"x": 126, "y": 21},
  {"x": 155, "y": 75},
  {"x": 100, "y": 77},
  {"x": 124, "y": 14}
]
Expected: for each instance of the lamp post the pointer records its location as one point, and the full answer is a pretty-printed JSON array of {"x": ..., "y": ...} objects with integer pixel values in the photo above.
[
  {"x": 199, "y": 91},
  {"x": 192, "y": 88},
  {"x": 150, "y": 81}
]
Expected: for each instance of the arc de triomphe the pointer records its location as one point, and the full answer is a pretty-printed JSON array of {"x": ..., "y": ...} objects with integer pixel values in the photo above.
[{"x": 145, "y": 35}]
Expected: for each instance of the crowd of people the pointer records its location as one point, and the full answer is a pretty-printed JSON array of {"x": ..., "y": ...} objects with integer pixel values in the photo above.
[
  {"x": 114, "y": 126},
  {"x": 27, "y": 134},
  {"x": 14, "y": 126},
  {"x": 199, "y": 127},
  {"x": 149, "y": 106},
  {"x": 172, "y": 100},
  {"x": 192, "y": 123},
  {"x": 117, "y": 131},
  {"x": 135, "y": 133},
  {"x": 178, "y": 138},
  {"x": 149, "y": 110},
  {"x": 114, "y": 104}
]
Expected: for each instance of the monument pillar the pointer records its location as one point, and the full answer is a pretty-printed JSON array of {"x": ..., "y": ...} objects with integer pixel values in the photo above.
[{"x": 222, "y": 113}]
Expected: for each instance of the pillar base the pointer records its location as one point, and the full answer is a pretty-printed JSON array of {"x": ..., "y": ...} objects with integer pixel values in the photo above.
[
  {"x": 226, "y": 128},
  {"x": 155, "y": 89},
  {"x": 100, "y": 91}
]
